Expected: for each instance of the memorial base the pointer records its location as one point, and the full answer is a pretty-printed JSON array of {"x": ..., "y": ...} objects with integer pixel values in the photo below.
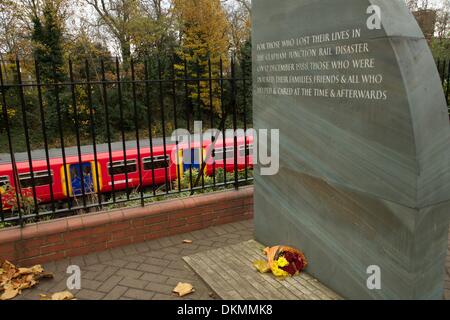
[{"x": 343, "y": 233}]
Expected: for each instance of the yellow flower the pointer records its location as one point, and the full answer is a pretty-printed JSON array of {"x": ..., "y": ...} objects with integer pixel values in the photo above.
[
  {"x": 280, "y": 263},
  {"x": 262, "y": 266}
]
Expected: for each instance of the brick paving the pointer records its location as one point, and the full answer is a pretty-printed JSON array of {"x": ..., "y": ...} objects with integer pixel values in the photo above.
[
  {"x": 145, "y": 271},
  {"x": 150, "y": 270}
]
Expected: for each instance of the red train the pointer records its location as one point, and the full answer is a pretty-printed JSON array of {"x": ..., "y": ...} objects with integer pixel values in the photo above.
[{"x": 102, "y": 173}]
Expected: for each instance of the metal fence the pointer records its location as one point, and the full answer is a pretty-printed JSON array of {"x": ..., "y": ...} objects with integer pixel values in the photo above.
[
  {"x": 443, "y": 67},
  {"x": 91, "y": 136}
]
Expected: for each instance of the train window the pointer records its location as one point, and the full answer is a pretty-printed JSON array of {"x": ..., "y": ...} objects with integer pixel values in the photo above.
[
  {"x": 4, "y": 181},
  {"x": 249, "y": 150},
  {"x": 118, "y": 167},
  {"x": 40, "y": 179},
  {"x": 218, "y": 153},
  {"x": 158, "y": 163}
]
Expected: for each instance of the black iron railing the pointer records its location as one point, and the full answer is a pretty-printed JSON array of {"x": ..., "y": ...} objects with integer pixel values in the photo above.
[
  {"x": 443, "y": 66},
  {"x": 69, "y": 133}
]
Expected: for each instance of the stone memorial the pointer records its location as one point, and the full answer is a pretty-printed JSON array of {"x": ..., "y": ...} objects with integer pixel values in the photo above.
[{"x": 364, "y": 181}]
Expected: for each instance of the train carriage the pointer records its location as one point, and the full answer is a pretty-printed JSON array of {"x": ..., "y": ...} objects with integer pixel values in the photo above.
[{"x": 105, "y": 172}]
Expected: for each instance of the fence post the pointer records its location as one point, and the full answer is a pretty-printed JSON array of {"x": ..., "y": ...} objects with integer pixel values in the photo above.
[
  {"x": 224, "y": 119},
  {"x": 244, "y": 95},
  {"x": 150, "y": 122},
  {"x": 109, "y": 170},
  {"x": 163, "y": 121},
  {"x": 448, "y": 84},
  {"x": 11, "y": 149},
  {"x": 93, "y": 133},
  {"x": 211, "y": 104},
  {"x": 175, "y": 122},
  {"x": 122, "y": 128},
  {"x": 61, "y": 134},
  {"x": 235, "y": 138},
  {"x": 27, "y": 136},
  {"x": 44, "y": 132},
  {"x": 77, "y": 134},
  {"x": 138, "y": 144}
]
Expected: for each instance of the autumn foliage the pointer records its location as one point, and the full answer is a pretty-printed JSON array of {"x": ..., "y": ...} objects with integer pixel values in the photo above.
[{"x": 204, "y": 33}]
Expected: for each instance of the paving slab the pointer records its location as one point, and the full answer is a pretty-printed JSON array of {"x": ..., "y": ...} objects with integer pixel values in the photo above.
[{"x": 230, "y": 273}]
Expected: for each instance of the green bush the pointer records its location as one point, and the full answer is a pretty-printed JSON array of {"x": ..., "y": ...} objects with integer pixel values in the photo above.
[{"x": 5, "y": 225}]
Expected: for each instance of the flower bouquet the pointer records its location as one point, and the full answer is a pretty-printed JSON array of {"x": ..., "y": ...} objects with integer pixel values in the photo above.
[{"x": 282, "y": 261}]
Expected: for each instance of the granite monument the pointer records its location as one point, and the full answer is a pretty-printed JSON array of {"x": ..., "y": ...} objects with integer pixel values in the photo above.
[{"x": 364, "y": 181}]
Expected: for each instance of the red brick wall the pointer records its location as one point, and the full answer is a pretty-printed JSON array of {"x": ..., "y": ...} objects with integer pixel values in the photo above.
[{"x": 68, "y": 237}]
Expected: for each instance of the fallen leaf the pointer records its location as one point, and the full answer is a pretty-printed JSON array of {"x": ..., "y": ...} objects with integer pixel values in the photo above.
[
  {"x": 9, "y": 293},
  {"x": 6, "y": 265},
  {"x": 13, "y": 280},
  {"x": 187, "y": 241},
  {"x": 9, "y": 270},
  {"x": 37, "y": 269},
  {"x": 44, "y": 297},
  {"x": 23, "y": 271},
  {"x": 65, "y": 295},
  {"x": 183, "y": 289}
]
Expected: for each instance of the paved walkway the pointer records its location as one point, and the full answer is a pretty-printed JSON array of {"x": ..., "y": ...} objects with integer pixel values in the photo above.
[
  {"x": 152, "y": 269},
  {"x": 144, "y": 271}
]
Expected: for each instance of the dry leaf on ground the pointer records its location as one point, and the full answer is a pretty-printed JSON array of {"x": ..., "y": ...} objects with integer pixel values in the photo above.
[
  {"x": 187, "y": 241},
  {"x": 13, "y": 280},
  {"x": 183, "y": 289},
  {"x": 64, "y": 295},
  {"x": 9, "y": 292}
]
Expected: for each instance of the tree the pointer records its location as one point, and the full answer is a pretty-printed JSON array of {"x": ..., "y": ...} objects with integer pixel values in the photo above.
[
  {"x": 118, "y": 17},
  {"x": 13, "y": 34},
  {"x": 48, "y": 40},
  {"x": 247, "y": 4},
  {"x": 442, "y": 21},
  {"x": 204, "y": 33},
  {"x": 417, "y": 4},
  {"x": 244, "y": 92},
  {"x": 153, "y": 33},
  {"x": 83, "y": 47},
  {"x": 240, "y": 23}
]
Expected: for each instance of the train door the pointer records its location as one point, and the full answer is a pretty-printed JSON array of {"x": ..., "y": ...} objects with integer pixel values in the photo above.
[
  {"x": 191, "y": 157},
  {"x": 81, "y": 174}
]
